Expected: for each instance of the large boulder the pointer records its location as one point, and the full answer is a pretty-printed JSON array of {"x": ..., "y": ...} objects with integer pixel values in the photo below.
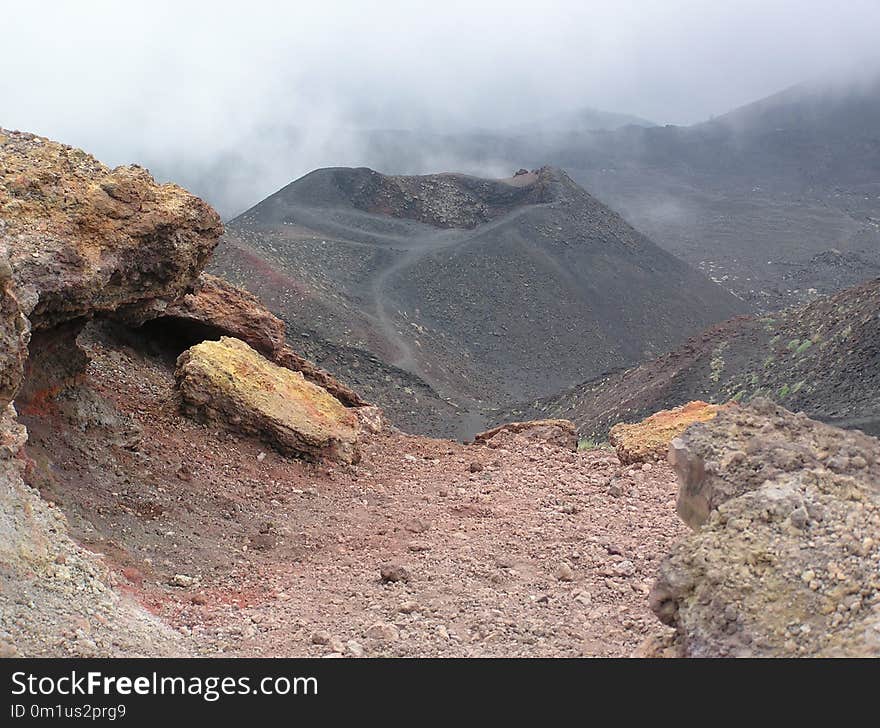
[
  {"x": 785, "y": 560},
  {"x": 649, "y": 439},
  {"x": 750, "y": 447},
  {"x": 78, "y": 239},
  {"x": 82, "y": 238},
  {"x": 229, "y": 383}
]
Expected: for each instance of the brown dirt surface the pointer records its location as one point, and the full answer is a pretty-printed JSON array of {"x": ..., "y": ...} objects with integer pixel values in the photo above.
[{"x": 425, "y": 548}]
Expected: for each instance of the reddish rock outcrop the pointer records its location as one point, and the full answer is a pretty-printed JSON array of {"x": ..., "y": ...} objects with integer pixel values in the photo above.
[
  {"x": 649, "y": 439},
  {"x": 216, "y": 304},
  {"x": 560, "y": 433},
  {"x": 82, "y": 238}
]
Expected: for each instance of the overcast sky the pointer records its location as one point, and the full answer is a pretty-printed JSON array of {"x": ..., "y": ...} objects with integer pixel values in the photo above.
[{"x": 182, "y": 81}]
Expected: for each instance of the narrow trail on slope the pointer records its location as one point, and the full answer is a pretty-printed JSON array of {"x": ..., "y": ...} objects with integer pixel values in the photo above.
[{"x": 383, "y": 306}]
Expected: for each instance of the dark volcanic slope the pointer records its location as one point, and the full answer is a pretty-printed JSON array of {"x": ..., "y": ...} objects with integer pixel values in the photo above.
[
  {"x": 823, "y": 358},
  {"x": 442, "y": 296}
]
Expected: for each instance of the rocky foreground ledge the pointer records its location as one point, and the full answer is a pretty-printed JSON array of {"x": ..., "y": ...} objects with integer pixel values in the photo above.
[
  {"x": 80, "y": 242},
  {"x": 785, "y": 556},
  {"x": 77, "y": 240}
]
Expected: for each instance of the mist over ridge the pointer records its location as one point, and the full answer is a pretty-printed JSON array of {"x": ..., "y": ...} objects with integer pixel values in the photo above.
[{"x": 236, "y": 104}]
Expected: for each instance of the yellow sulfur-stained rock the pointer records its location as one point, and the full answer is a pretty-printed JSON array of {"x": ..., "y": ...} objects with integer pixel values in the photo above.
[
  {"x": 649, "y": 439},
  {"x": 228, "y": 382}
]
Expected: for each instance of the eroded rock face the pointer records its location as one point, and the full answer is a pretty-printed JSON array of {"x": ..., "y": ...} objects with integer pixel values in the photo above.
[
  {"x": 14, "y": 337},
  {"x": 76, "y": 240},
  {"x": 217, "y": 304},
  {"x": 749, "y": 447},
  {"x": 649, "y": 439},
  {"x": 55, "y": 363},
  {"x": 229, "y": 383},
  {"x": 560, "y": 433},
  {"x": 786, "y": 558},
  {"x": 82, "y": 238}
]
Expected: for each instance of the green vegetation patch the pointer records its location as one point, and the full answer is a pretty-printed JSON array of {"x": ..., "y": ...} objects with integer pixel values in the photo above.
[
  {"x": 717, "y": 363},
  {"x": 589, "y": 443}
]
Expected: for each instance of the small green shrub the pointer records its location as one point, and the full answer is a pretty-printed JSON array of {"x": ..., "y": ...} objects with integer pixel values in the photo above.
[{"x": 717, "y": 364}]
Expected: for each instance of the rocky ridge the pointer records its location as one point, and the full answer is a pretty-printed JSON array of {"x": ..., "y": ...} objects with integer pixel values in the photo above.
[
  {"x": 447, "y": 200},
  {"x": 822, "y": 358}
]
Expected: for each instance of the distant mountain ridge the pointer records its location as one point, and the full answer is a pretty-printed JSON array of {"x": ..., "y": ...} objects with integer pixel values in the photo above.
[{"x": 579, "y": 120}]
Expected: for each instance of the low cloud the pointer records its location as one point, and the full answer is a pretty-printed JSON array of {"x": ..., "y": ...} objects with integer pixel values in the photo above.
[{"x": 266, "y": 91}]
